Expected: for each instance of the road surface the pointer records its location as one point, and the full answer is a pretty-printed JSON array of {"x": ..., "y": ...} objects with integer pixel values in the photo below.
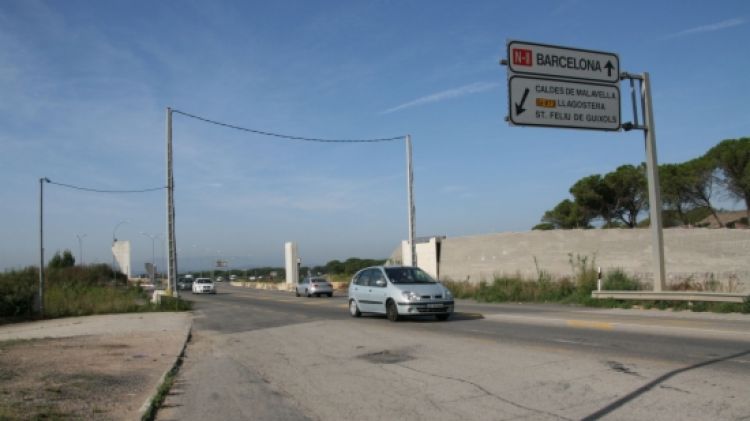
[{"x": 268, "y": 355}]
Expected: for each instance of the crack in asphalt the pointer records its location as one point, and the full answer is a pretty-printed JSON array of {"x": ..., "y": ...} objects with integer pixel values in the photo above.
[{"x": 486, "y": 392}]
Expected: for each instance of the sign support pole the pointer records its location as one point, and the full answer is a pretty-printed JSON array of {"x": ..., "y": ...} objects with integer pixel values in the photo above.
[{"x": 654, "y": 194}]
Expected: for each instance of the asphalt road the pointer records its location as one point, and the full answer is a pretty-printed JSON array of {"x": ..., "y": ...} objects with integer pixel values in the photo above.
[{"x": 269, "y": 355}]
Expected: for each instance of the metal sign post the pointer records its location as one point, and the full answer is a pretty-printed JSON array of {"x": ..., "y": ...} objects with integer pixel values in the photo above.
[{"x": 654, "y": 194}]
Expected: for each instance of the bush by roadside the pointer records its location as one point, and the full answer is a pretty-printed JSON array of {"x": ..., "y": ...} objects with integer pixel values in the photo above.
[
  {"x": 74, "y": 291},
  {"x": 576, "y": 289}
]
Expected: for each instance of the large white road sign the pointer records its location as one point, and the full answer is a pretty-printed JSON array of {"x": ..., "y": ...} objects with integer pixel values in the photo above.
[
  {"x": 570, "y": 63},
  {"x": 561, "y": 103}
]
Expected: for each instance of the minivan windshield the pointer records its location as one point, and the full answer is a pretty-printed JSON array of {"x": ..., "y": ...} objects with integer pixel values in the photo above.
[{"x": 407, "y": 275}]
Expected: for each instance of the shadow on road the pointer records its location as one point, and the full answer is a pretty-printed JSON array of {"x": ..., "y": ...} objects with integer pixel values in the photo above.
[
  {"x": 648, "y": 386},
  {"x": 455, "y": 317}
]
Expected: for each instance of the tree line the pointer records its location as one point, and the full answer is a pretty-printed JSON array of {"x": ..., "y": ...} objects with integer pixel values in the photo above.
[{"x": 688, "y": 191}]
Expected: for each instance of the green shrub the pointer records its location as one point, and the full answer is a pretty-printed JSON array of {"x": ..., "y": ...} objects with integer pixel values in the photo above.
[
  {"x": 584, "y": 273},
  {"x": 617, "y": 280},
  {"x": 18, "y": 290},
  {"x": 74, "y": 291}
]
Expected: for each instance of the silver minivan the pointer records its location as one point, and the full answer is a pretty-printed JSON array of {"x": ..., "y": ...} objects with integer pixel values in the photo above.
[{"x": 398, "y": 291}]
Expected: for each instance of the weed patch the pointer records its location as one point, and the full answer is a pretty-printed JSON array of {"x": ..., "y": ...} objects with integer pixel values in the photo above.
[
  {"x": 75, "y": 291},
  {"x": 576, "y": 289}
]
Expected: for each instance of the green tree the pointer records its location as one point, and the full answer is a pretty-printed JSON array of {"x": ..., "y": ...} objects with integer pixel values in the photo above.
[
  {"x": 66, "y": 260},
  {"x": 334, "y": 267},
  {"x": 732, "y": 158},
  {"x": 544, "y": 226},
  {"x": 694, "y": 182},
  {"x": 567, "y": 215},
  {"x": 594, "y": 198},
  {"x": 627, "y": 184},
  {"x": 674, "y": 191}
]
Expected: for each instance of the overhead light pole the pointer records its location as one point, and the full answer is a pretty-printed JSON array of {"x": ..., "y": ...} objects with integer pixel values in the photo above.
[{"x": 80, "y": 246}]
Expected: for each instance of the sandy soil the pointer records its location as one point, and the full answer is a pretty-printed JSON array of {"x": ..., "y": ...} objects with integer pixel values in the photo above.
[{"x": 82, "y": 377}]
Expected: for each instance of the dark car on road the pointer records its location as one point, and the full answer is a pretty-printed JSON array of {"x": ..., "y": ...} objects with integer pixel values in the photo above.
[{"x": 185, "y": 284}]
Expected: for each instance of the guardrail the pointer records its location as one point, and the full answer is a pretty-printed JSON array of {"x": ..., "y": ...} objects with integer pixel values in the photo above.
[{"x": 727, "y": 297}]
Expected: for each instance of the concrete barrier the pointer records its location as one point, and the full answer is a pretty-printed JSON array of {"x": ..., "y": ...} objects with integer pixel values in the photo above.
[
  {"x": 278, "y": 286},
  {"x": 694, "y": 255}
]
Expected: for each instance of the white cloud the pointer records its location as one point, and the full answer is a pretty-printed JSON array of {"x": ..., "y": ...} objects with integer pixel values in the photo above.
[
  {"x": 729, "y": 23},
  {"x": 474, "y": 88}
]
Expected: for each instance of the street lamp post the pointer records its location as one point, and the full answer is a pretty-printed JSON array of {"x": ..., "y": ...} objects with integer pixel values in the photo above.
[
  {"x": 80, "y": 246},
  {"x": 114, "y": 241}
]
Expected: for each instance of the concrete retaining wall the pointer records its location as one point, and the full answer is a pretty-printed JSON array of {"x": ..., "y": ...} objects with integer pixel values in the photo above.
[{"x": 695, "y": 254}]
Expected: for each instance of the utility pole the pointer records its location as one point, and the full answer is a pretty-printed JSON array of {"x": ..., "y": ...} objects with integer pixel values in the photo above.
[
  {"x": 40, "y": 297},
  {"x": 410, "y": 200},
  {"x": 171, "y": 243}
]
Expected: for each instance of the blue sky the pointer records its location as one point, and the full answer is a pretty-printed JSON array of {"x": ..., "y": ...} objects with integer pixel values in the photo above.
[{"x": 85, "y": 85}]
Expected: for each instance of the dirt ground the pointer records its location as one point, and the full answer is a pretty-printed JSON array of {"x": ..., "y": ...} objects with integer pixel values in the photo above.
[{"x": 97, "y": 377}]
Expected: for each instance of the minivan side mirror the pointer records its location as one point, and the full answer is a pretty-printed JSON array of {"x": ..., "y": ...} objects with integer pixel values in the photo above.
[{"x": 380, "y": 283}]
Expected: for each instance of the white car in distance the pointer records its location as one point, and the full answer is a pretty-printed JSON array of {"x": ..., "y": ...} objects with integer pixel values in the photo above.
[{"x": 204, "y": 286}]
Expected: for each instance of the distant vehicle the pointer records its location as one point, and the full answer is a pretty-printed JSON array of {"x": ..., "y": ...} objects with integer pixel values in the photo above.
[
  {"x": 220, "y": 279},
  {"x": 204, "y": 286},
  {"x": 316, "y": 286},
  {"x": 398, "y": 291},
  {"x": 185, "y": 283},
  {"x": 232, "y": 277}
]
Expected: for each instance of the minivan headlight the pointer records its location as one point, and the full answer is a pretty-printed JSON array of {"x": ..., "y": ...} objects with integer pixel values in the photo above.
[
  {"x": 448, "y": 294},
  {"x": 410, "y": 295}
]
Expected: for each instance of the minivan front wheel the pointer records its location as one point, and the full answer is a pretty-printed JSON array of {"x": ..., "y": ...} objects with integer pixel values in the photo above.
[
  {"x": 353, "y": 309},
  {"x": 391, "y": 311}
]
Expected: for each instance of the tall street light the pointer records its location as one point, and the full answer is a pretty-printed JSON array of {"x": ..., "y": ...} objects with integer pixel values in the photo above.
[
  {"x": 80, "y": 246},
  {"x": 153, "y": 255},
  {"x": 114, "y": 241}
]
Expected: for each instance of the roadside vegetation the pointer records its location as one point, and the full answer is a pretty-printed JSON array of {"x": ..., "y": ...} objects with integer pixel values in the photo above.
[
  {"x": 690, "y": 190},
  {"x": 576, "y": 289},
  {"x": 72, "y": 290}
]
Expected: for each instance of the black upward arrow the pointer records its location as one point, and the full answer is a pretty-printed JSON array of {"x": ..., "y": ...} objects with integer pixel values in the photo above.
[
  {"x": 519, "y": 107},
  {"x": 609, "y": 68}
]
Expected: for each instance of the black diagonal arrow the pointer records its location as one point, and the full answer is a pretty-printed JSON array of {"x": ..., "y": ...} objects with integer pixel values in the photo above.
[
  {"x": 519, "y": 107},
  {"x": 609, "y": 68}
]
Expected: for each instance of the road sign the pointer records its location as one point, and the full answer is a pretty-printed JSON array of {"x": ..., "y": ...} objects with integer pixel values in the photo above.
[
  {"x": 562, "y": 103},
  {"x": 570, "y": 63}
]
